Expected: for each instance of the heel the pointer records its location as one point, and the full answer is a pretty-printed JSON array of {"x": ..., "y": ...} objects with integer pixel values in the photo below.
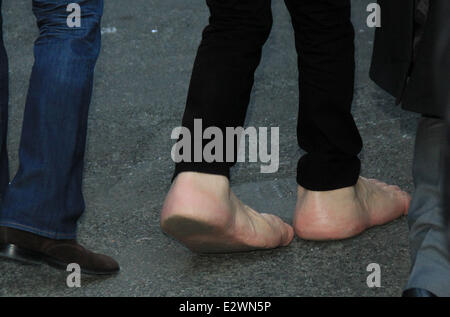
[{"x": 13, "y": 252}]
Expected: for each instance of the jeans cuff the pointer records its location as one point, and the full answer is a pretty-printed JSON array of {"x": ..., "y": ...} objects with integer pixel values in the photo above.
[{"x": 48, "y": 234}]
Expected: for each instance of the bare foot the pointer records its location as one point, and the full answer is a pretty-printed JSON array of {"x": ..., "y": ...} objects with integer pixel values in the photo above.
[
  {"x": 202, "y": 213},
  {"x": 344, "y": 213}
]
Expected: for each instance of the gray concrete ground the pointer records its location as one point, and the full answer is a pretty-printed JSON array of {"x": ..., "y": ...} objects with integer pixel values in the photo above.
[{"x": 140, "y": 89}]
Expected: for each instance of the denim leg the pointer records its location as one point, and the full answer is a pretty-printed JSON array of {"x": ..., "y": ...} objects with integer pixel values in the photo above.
[
  {"x": 4, "y": 98},
  {"x": 45, "y": 197}
]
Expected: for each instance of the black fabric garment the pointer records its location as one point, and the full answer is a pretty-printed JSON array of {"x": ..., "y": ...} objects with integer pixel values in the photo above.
[
  {"x": 223, "y": 77},
  {"x": 422, "y": 9},
  {"x": 442, "y": 85},
  {"x": 447, "y": 175},
  {"x": 405, "y": 46}
]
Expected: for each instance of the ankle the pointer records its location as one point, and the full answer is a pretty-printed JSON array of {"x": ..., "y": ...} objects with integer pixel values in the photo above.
[
  {"x": 325, "y": 197},
  {"x": 197, "y": 195},
  {"x": 204, "y": 183}
]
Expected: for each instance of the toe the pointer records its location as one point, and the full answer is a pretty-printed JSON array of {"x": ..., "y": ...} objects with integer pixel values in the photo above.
[
  {"x": 407, "y": 201},
  {"x": 289, "y": 235},
  {"x": 284, "y": 231}
]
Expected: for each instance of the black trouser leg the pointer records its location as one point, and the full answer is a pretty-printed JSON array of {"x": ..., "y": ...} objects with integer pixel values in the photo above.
[
  {"x": 324, "y": 38},
  {"x": 223, "y": 73},
  {"x": 223, "y": 78},
  {"x": 446, "y": 199}
]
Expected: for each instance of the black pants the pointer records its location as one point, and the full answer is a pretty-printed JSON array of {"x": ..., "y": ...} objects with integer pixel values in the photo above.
[
  {"x": 223, "y": 77},
  {"x": 447, "y": 179}
]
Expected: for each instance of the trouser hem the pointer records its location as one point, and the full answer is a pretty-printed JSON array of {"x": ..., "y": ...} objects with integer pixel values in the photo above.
[
  {"x": 207, "y": 168},
  {"x": 48, "y": 234},
  {"x": 326, "y": 176},
  {"x": 437, "y": 284}
]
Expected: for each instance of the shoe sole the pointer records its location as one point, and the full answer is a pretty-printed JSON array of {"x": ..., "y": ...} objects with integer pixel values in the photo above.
[{"x": 17, "y": 254}]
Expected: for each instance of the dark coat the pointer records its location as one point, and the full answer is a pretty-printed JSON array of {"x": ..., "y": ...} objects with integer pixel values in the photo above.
[
  {"x": 442, "y": 78},
  {"x": 404, "y": 59}
]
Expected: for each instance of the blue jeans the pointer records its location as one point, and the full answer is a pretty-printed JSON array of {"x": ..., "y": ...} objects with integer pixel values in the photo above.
[{"x": 45, "y": 197}]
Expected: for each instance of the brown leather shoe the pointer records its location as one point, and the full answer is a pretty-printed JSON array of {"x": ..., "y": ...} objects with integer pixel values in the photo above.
[{"x": 29, "y": 248}]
